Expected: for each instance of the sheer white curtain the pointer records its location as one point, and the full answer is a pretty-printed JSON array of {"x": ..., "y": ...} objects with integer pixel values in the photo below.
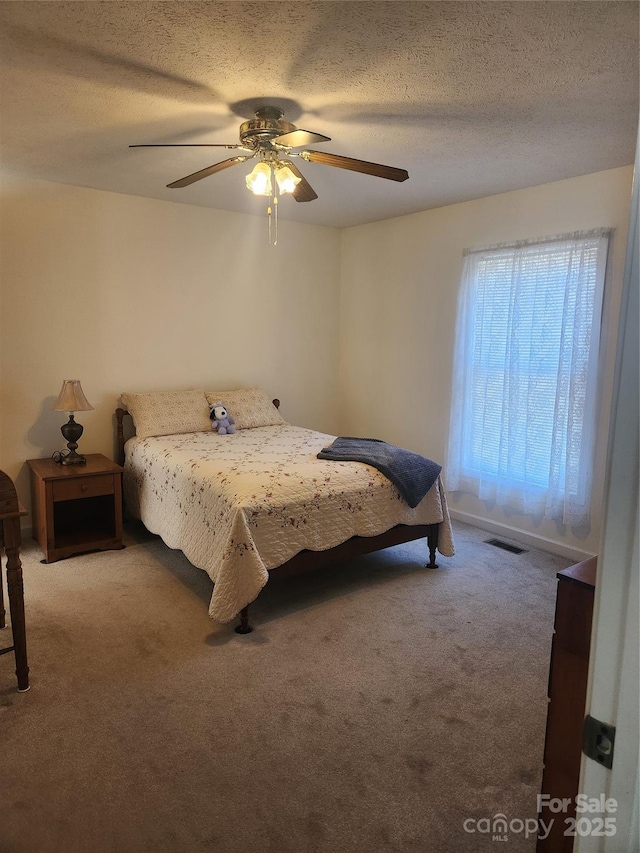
[{"x": 525, "y": 375}]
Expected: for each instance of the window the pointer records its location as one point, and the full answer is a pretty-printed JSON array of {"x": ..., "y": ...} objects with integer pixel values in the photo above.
[{"x": 525, "y": 375}]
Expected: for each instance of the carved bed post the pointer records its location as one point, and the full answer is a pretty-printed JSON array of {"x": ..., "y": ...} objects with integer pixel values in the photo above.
[
  {"x": 432, "y": 542},
  {"x": 16, "y": 606},
  {"x": 120, "y": 413},
  {"x": 244, "y": 627}
]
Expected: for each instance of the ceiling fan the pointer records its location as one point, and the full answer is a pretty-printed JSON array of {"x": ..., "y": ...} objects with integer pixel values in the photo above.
[{"x": 271, "y": 139}]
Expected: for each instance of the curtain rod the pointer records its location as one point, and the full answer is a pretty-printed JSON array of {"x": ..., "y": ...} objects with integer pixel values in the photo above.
[{"x": 519, "y": 244}]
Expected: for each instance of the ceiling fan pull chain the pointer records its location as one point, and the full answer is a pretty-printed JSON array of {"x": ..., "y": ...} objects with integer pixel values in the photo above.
[
  {"x": 272, "y": 210},
  {"x": 275, "y": 217}
]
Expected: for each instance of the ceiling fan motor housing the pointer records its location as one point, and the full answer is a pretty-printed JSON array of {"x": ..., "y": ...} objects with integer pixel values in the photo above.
[{"x": 267, "y": 124}]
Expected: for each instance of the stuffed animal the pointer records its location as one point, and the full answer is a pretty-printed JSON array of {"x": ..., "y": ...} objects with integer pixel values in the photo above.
[{"x": 221, "y": 419}]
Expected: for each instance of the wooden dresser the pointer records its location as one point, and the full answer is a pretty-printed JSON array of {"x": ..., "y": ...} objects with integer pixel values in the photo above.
[{"x": 568, "y": 674}]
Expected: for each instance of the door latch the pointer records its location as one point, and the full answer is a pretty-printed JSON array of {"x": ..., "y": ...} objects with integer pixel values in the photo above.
[{"x": 597, "y": 741}]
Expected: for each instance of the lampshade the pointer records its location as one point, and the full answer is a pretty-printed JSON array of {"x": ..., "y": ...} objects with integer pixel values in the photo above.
[
  {"x": 286, "y": 179},
  {"x": 71, "y": 398},
  {"x": 259, "y": 179}
]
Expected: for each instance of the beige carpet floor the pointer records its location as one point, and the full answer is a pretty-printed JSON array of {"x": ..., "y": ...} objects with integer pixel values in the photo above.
[{"x": 377, "y": 706}]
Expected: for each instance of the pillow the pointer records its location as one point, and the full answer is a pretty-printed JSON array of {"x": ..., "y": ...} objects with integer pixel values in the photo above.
[
  {"x": 168, "y": 412},
  {"x": 251, "y": 407}
]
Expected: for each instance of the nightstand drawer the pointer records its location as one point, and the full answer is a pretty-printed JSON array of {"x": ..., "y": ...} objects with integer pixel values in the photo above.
[{"x": 83, "y": 487}]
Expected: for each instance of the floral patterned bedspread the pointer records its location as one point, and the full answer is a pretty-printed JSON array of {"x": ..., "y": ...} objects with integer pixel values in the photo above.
[{"x": 238, "y": 505}]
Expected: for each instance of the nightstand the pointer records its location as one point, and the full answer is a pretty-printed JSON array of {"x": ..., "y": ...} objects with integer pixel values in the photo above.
[{"x": 76, "y": 508}]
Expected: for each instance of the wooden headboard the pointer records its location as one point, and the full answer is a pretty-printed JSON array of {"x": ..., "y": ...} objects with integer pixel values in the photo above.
[{"x": 120, "y": 439}]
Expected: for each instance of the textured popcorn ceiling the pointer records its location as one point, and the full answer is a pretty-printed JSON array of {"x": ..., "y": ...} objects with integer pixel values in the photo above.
[{"x": 472, "y": 98}]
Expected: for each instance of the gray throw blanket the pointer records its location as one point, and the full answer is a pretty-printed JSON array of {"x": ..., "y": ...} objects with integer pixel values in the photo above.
[{"x": 412, "y": 474}]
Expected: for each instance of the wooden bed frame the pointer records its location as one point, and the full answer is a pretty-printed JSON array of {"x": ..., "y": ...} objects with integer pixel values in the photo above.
[{"x": 307, "y": 560}]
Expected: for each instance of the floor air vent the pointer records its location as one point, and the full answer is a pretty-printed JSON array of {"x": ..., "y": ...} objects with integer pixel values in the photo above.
[{"x": 506, "y": 546}]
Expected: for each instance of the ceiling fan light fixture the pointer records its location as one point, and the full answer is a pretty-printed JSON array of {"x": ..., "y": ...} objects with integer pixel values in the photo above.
[
  {"x": 268, "y": 137},
  {"x": 259, "y": 179},
  {"x": 287, "y": 181}
]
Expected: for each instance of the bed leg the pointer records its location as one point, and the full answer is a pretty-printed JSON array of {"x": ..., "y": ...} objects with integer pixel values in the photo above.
[
  {"x": 244, "y": 627},
  {"x": 432, "y": 541}
]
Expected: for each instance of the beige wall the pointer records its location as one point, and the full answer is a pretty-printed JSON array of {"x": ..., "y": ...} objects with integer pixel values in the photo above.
[
  {"x": 400, "y": 282},
  {"x": 353, "y": 330},
  {"x": 128, "y": 293}
]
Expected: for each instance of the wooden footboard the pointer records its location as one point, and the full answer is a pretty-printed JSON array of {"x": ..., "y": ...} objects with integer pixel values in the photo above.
[{"x": 357, "y": 546}]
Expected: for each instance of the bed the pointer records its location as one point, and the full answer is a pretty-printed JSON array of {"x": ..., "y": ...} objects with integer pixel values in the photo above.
[{"x": 258, "y": 504}]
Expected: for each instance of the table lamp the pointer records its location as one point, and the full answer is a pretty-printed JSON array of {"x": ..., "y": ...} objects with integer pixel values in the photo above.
[{"x": 71, "y": 399}]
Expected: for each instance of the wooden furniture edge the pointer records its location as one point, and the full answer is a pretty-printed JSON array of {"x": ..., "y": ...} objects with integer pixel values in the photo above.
[
  {"x": 567, "y": 702},
  {"x": 11, "y": 511},
  {"x": 583, "y": 573}
]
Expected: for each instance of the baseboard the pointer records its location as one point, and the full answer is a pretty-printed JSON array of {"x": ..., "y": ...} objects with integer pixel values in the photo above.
[{"x": 514, "y": 533}]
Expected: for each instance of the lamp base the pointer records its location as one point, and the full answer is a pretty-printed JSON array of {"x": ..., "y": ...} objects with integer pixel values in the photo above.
[
  {"x": 73, "y": 458},
  {"x": 72, "y": 432}
]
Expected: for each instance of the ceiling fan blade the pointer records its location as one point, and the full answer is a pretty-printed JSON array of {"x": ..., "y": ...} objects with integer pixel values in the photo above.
[
  {"x": 299, "y": 137},
  {"x": 389, "y": 172},
  {"x": 204, "y": 173},
  {"x": 303, "y": 191},
  {"x": 185, "y": 145}
]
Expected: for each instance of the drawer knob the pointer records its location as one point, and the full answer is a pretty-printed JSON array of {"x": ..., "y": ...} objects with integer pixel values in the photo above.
[{"x": 84, "y": 487}]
